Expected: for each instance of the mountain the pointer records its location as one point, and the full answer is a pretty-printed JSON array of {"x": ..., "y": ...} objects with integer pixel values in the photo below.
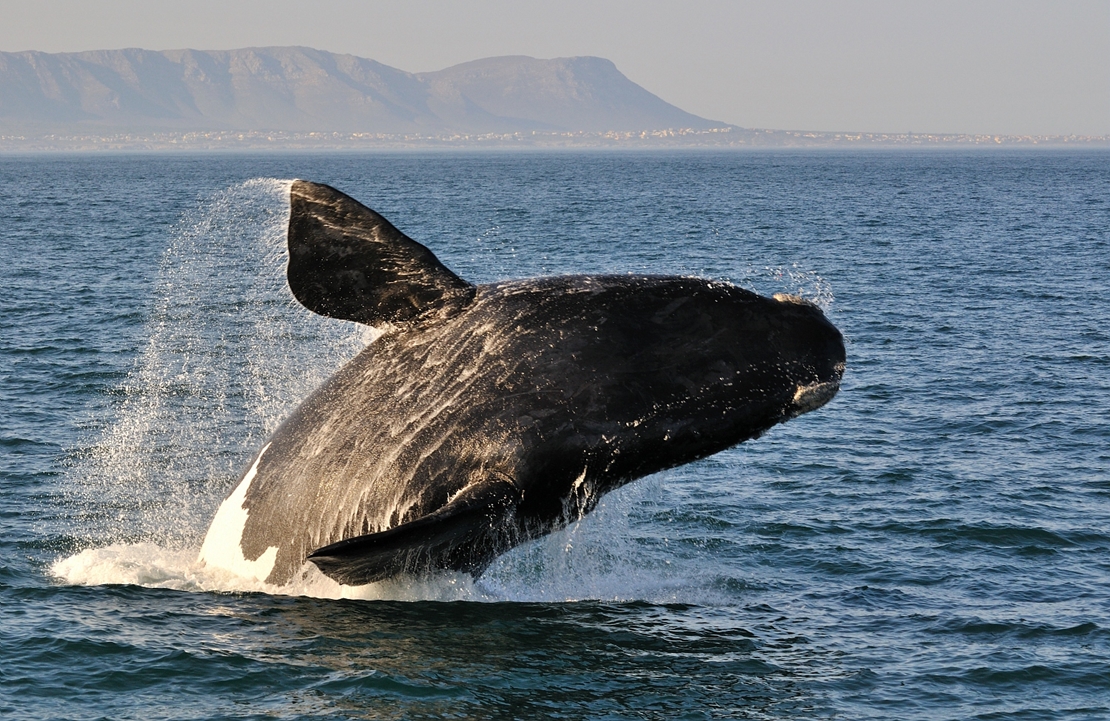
[{"x": 305, "y": 90}]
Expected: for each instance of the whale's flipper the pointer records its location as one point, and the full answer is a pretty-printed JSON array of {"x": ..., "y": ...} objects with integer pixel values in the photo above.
[
  {"x": 464, "y": 535},
  {"x": 348, "y": 262}
]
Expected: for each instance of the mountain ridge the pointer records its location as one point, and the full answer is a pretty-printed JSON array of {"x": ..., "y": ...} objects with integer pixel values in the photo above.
[{"x": 300, "y": 89}]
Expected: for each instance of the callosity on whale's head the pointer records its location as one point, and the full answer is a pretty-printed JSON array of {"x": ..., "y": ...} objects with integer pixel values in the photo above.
[{"x": 488, "y": 415}]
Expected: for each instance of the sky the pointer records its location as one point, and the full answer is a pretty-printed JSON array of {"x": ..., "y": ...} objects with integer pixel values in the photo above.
[{"x": 1016, "y": 67}]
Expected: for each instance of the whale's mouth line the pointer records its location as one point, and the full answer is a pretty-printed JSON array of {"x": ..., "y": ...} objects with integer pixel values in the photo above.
[{"x": 814, "y": 395}]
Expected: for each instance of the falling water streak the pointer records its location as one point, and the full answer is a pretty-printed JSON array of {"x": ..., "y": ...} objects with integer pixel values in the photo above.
[{"x": 229, "y": 354}]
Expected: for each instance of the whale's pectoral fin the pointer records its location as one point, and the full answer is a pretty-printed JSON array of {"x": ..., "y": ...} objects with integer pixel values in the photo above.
[
  {"x": 348, "y": 262},
  {"x": 464, "y": 535}
]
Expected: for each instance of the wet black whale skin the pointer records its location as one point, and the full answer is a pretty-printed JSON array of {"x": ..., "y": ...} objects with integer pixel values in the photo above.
[{"x": 489, "y": 415}]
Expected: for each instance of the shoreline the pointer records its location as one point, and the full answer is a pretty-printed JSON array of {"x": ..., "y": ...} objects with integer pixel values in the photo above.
[{"x": 728, "y": 138}]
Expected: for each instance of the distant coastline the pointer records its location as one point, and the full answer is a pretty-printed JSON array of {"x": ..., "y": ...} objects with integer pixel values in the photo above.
[
  {"x": 297, "y": 98},
  {"x": 672, "y": 138}
]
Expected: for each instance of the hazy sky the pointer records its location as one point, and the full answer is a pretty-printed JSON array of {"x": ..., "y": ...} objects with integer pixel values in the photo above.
[{"x": 973, "y": 66}]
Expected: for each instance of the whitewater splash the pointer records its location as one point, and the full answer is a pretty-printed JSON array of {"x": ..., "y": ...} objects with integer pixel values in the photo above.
[
  {"x": 598, "y": 558},
  {"x": 153, "y": 566}
]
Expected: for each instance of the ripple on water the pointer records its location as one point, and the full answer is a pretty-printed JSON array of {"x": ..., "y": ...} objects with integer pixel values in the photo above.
[{"x": 931, "y": 544}]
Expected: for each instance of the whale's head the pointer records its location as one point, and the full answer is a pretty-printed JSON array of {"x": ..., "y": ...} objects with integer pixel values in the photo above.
[
  {"x": 685, "y": 367},
  {"x": 721, "y": 365},
  {"x": 744, "y": 362}
]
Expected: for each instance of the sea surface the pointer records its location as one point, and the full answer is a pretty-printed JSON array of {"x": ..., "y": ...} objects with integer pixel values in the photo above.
[{"x": 933, "y": 544}]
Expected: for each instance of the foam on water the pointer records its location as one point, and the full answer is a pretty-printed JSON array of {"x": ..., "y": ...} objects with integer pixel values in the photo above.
[
  {"x": 598, "y": 558},
  {"x": 153, "y": 566}
]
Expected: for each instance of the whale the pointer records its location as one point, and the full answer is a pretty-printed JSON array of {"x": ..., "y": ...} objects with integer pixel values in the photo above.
[{"x": 485, "y": 416}]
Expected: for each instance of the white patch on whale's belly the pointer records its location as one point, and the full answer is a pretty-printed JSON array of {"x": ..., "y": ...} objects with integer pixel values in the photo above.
[{"x": 222, "y": 545}]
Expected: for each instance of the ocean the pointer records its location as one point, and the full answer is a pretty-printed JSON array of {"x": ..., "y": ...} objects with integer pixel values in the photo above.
[{"x": 933, "y": 544}]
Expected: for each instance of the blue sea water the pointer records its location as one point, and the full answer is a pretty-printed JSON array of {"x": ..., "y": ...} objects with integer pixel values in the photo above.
[{"x": 933, "y": 544}]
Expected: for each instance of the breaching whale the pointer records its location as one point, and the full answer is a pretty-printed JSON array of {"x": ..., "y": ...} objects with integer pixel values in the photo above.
[{"x": 488, "y": 415}]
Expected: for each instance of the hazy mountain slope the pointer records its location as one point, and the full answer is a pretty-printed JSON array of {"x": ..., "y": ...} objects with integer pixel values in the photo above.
[
  {"x": 300, "y": 89},
  {"x": 583, "y": 93}
]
